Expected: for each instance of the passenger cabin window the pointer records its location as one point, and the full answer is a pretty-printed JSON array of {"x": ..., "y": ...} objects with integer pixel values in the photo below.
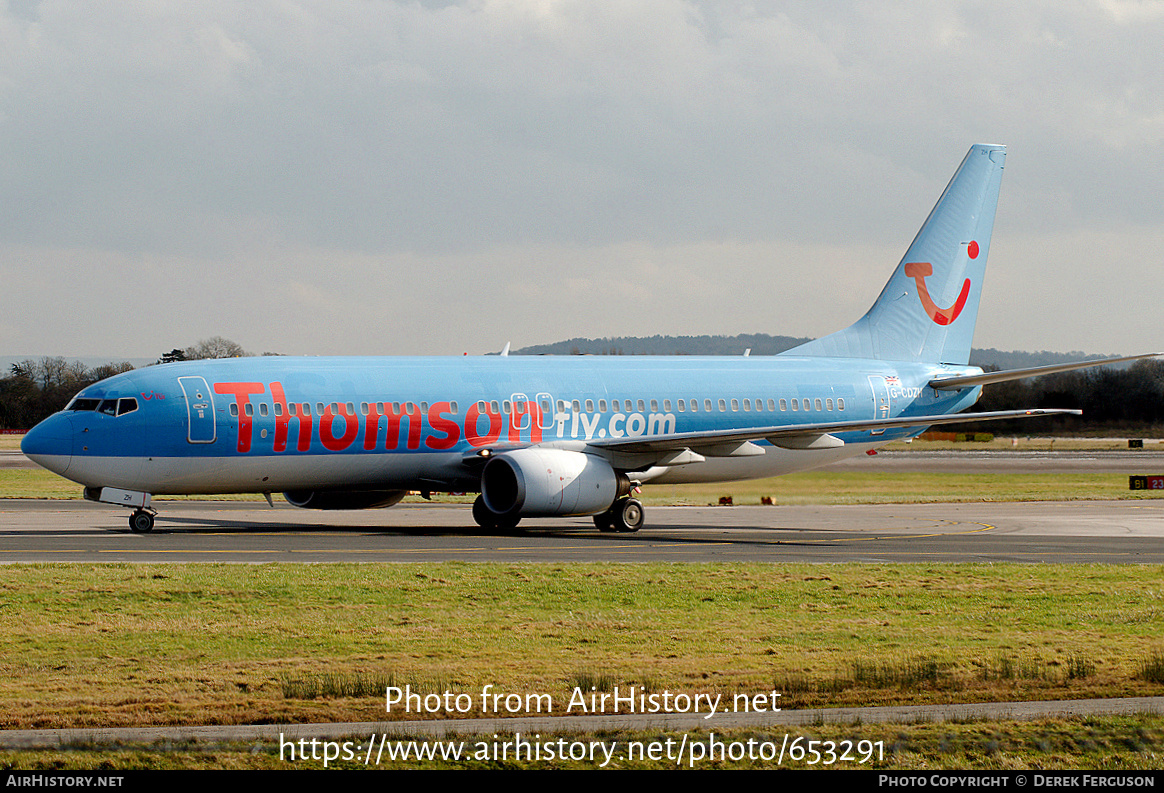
[
  {"x": 589, "y": 405},
  {"x": 722, "y": 406},
  {"x": 681, "y": 405},
  {"x": 840, "y": 403},
  {"x": 817, "y": 404},
  {"x": 707, "y": 405},
  {"x": 829, "y": 404}
]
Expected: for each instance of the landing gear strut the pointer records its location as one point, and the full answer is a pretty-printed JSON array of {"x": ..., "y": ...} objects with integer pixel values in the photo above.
[
  {"x": 141, "y": 522},
  {"x": 625, "y": 515}
]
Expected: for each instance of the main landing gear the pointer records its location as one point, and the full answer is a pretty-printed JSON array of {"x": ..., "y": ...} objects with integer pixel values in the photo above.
[
  {"x": 488, "y": 519},
  {"x": 624, "y": 515},
  {"x": 141, "y": 521}
]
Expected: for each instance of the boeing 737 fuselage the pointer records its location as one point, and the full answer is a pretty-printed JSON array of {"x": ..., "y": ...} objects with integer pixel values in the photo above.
[{"x": 544, "y": 436}]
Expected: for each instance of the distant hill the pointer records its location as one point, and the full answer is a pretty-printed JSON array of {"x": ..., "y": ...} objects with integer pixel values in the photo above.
[
  {"x": 764, "y": 344},
  {"x": 759, "y": 343}
]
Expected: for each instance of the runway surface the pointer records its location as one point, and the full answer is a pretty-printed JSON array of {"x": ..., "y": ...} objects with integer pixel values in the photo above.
[{"x": 1113, "y": 532}]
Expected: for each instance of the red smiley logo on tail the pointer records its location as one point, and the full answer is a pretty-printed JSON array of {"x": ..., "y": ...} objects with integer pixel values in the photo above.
[{"x": 918, "y": 272}]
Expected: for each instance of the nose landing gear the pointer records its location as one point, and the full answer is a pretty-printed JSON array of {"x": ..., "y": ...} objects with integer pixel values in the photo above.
[{"x": 141, "y": 521}]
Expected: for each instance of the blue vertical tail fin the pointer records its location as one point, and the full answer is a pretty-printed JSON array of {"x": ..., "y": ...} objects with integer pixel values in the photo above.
[{"x": 928, "y": 309}]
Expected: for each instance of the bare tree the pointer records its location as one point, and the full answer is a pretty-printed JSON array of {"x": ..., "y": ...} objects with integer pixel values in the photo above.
[{"x": 215, "y": 347}]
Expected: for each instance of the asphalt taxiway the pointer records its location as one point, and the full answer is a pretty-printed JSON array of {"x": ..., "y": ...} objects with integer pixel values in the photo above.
[
  {"x": 1130, "y": 531},
  {"x": 1113, "y": 532}
]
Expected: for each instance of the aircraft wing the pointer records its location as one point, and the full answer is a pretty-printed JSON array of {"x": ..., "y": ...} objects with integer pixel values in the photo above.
[{"x": 729, "y": 443}]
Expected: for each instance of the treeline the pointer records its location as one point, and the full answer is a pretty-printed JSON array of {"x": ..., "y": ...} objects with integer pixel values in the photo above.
[
  {"x": 35, "y": 389},
  {"x": 1127, "y": 400}
]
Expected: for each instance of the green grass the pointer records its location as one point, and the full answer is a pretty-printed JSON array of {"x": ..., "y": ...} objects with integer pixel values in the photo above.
[
  {"x": 95, "y": 645},
  {"x": 135, "y": 645},
  {"x": 875, "y": 487}
]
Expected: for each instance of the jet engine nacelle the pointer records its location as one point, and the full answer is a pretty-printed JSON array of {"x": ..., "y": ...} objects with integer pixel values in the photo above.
[
  {"x": 545, "y": 482},
  {"x": 343, "y": 499}
]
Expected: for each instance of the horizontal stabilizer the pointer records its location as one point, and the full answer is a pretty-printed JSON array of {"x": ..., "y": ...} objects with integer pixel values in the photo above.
[{"x": 954, "y": 383}]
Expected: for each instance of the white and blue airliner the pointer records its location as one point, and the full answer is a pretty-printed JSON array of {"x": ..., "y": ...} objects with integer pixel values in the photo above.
[{"x": 549, "y": 436}]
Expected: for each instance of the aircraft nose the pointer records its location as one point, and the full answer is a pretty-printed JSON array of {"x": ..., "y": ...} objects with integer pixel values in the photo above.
[{"x": 50, "y": 443}]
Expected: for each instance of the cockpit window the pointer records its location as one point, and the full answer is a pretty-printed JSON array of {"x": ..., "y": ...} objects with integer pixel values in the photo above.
[
  {"x": 110, "y": 407},
  {"x": 80, "y": 403}
]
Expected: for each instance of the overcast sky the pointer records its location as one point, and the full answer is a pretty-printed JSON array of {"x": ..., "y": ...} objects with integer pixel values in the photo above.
[{"x": 394, "y": 178}]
